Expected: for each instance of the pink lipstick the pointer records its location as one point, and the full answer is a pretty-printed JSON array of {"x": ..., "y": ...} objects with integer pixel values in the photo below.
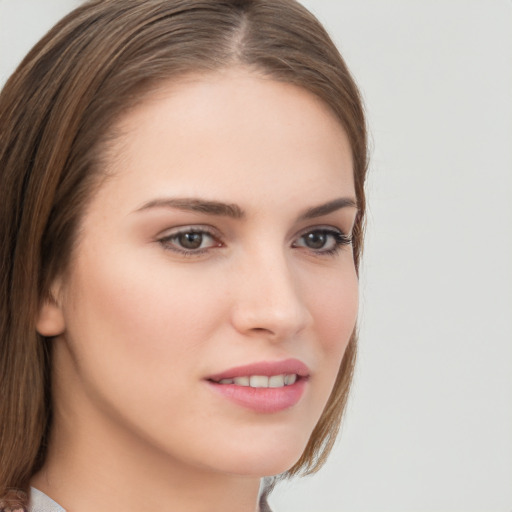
[{"x": 265, "y": 387}]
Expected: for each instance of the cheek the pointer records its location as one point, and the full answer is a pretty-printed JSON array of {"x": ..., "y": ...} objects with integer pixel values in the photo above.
[
  {"x": 138, "y": 296},
  {"x": 334, "y": 309},
  {"x": 131, "y": 323}
]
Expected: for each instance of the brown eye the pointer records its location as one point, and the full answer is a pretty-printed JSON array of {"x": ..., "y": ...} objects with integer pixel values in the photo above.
[
  {"x": 190, "y": 240},
  {"x": 315, "y": 239}
]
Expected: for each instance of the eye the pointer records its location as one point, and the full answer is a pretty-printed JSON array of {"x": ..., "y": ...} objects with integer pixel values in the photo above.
[
  {"x": 190, "y": 241},
  {"x": 323, "y": 240}
]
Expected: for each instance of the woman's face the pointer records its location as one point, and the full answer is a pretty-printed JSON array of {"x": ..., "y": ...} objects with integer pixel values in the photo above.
[{"x": 217, "y": 250}]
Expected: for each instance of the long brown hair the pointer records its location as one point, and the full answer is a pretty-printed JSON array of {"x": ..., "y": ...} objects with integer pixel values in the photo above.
[{"x": 55, "y": 115}]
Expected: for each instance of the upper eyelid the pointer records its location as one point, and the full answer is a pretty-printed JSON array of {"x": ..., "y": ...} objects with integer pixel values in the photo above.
[
  {"x": 323, "y": 227},
  {"x": 196, "y": 228}
]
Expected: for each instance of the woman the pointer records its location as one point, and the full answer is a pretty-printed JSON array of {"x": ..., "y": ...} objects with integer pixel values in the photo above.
[{"x": 181, "y": 225}]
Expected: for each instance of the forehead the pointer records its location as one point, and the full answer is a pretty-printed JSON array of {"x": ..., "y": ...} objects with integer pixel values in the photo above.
[{"x": 232, "y": 131}]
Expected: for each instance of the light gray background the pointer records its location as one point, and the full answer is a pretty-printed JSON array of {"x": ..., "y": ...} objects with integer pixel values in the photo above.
[{"x": 429, "y": 426}]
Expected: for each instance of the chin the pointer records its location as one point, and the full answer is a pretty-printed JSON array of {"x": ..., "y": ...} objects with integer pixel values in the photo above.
[{"x": 258, "y": 459}]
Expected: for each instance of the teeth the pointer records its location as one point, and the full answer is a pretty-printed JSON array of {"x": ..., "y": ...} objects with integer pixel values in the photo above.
[
  {"x": 276, "y": 381},
  {"x": 241, "y": 381},
  {"x": 262, "y": 381},
  {"x": 290, "y": 379},
  {"x": 258, "y": 381}
]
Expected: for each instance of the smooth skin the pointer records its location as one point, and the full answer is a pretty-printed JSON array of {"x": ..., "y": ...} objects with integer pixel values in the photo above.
[{"x": 160, "y": 296}]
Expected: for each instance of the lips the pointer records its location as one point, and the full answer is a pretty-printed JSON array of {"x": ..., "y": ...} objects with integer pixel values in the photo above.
[
  {"x": 264, "y": 368},
  {"x": 264, "y": 387}
]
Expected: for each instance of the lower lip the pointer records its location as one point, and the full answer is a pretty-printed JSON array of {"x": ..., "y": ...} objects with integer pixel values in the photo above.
[{"x": 262, "y": 400}]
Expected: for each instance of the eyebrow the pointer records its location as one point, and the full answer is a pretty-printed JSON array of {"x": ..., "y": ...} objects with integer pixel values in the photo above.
[
  {"x": 197, "y": 205},
  {"x": 331, "y": 206},
  {"x": 234, "y": 211}
]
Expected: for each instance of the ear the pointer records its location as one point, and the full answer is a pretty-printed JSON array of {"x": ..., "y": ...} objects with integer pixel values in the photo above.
[{"x": 50, "y": 320}]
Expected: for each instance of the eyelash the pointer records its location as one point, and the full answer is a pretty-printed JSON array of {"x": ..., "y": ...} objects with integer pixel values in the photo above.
[
  {"x": 340, "y": 240},
  {"x": 169, "y": 242}
]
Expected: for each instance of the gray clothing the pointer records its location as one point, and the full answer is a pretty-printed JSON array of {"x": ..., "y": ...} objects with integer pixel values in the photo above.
[{"x": 39, "y": 502}]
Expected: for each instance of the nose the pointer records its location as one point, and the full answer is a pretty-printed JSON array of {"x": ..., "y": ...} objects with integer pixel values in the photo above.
[{"x": 269, "y": 299}]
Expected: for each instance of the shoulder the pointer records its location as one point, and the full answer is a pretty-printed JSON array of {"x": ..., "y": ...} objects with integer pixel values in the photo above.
[{"x": 40, "y": 502}]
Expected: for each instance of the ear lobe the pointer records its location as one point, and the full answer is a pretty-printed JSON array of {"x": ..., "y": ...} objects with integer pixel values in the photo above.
[{"x": 50, "y": 320}]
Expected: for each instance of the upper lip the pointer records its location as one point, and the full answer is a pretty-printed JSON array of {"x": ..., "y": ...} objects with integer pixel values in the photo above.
[{"x": 266, "y": 368}]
